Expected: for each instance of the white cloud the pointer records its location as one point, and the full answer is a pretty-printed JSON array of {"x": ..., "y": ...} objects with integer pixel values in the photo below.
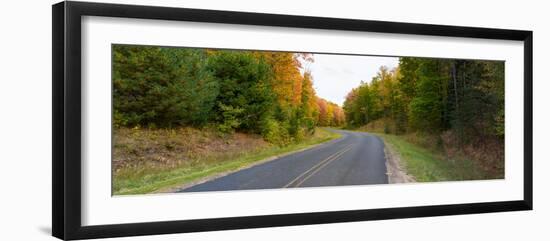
[{"x": 335, "y": 75}]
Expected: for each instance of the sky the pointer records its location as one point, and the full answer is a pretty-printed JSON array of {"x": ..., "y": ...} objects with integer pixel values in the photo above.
[{"x": 334, "y": 76}]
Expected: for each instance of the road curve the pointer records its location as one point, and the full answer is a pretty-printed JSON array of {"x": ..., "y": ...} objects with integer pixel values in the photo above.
[{"x": 354, "y": 159}]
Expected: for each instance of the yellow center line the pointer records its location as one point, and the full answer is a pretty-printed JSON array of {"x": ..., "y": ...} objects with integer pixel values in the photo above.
[
  {"x": 318, "y": 164},
  {"x": 321, "y": 167}
]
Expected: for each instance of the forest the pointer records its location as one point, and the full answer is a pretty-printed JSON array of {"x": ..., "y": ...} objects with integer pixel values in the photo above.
[
  {"x": 258, "y": 92},
  {"x": 185, "y": 114},
  {"x": 458, "y": 104}
]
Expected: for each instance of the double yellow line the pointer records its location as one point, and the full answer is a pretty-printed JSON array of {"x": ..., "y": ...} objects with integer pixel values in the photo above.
[{"x": 310, "y": 172}]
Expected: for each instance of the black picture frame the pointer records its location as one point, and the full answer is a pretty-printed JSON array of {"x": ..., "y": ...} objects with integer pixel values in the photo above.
[{"x": 66, "y": 127}]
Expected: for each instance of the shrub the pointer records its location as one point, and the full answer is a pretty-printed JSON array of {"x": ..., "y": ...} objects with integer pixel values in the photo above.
[
  {"x": 274, "y": 132},
  {"x": 230, "y": 118}
]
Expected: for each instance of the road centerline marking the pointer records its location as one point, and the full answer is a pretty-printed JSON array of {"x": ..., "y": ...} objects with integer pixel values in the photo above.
[
  {"x": 318, "y": 164},
  {"x": 322, "y": 166}
]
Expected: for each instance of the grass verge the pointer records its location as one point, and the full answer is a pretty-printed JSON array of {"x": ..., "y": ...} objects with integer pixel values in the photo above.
[
  {"x": 430, "y": 166},
  {"x": 142, "y": 179}
]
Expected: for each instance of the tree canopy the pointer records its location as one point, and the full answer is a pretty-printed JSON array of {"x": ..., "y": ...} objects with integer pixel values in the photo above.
[
  {"x": 267, "y": 93},
  {"x": 433, "y": 95}
]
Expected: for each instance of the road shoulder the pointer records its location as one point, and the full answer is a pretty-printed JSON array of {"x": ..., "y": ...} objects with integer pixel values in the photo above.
[{"x": 395, "y": 170}]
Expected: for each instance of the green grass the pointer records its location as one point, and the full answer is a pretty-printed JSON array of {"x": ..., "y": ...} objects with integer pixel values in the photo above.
[
  {"x": 429, "y": 166},
  {"x": 133, "y": 181}
]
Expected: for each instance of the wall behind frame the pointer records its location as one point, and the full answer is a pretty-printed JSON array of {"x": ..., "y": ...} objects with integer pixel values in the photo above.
[{"x": 25, "y": 123}]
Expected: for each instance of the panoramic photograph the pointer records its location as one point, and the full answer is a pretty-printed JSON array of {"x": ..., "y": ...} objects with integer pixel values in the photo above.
[{"x": 200, "y": 119}]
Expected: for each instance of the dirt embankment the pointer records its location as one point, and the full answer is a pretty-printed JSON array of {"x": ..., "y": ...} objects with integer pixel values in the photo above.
[{"x": 166, "y": 149}]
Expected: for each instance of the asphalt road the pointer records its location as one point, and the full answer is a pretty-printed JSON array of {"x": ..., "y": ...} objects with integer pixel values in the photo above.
[{"x": 354, "y": 159}]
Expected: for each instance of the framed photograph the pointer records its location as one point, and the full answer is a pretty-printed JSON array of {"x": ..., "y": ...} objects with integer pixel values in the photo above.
[{"x": 171, "y": 120}]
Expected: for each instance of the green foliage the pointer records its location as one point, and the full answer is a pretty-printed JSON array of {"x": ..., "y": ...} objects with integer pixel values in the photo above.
[
  {"x": 499, "y": 123},
  {"x": 433, "y": 96},
  {"x": 274, "y": 132},
  {"x": 229, "y": 118},
  {"x": 456, "y": 105},
  {"x": 245, "y": 91},
  {"x": 426, "y": 107},
  {"x": 161, "y": 87},
  {"x": 245, "y": 85}
]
